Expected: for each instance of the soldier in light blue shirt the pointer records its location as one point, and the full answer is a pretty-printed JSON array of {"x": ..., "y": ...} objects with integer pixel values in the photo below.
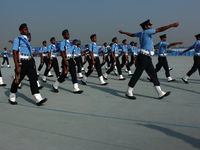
[
  {"x": 196, "y": 65},
  {"x": 105, "y": 56},
  {"x": 94, "y": 61},
  {"x": 134, "y": 52},
  {"x": 144, "y": 59},
  {"x": 67, "y": 62},
  {"x": 114, "y": 59},
  {"x": 5, "y": 58},
  {"x": 22, "y": 46},
  {"x": 162, "y": 59},
  {"x": 125, "y": 57},
  {"x": 53, "y": 62},
  {"x": 43, "y": 56},
  {"x": 77, "y": 57}
]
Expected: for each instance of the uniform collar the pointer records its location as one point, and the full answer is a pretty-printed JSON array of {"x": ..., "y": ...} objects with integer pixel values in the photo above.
[
  {"x": 94, "y": 43},
  {"x": 25, "y": 37}
]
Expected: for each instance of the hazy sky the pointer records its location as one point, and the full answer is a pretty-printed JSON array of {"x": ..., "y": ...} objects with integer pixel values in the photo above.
[{"x": 47, "y": 18}]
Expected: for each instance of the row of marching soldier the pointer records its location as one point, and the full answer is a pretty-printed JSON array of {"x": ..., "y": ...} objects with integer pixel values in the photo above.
[{"x": 72, "y": 57}]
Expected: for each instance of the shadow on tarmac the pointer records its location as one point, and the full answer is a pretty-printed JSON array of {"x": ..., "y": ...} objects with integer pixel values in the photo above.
[{"x": 190, "y": 140}]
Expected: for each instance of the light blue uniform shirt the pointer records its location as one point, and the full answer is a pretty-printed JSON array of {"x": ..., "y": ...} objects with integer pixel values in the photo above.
[
  {"x": 66, "y": 43},
  {"x": 5, "y": 54},
  {"x": 105, "y": 49},
  {"x": 77, "y": 51},
  {"x": 146, "y": 39},
  {"x": 43, "y": 49},
  {"x": 24, "y": 43},
  {"x": 196, "y": 46},
  {"x": 125, "y": 49},
  {"x": 51, "y": 48},
  {"x": 162, "y": 47},
  {"x": 114, "y": 48},
  {"x": 87, "y": 51},
  {"x": 93, "y": 47},
  {"x": 134, "y": 50},
  {"x": 73, "y": 48}
]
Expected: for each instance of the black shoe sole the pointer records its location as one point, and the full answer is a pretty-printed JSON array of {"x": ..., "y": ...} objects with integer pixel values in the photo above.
[
  {"x": 131, "y": 97},
  {"x": 104, "y": 84},
  {"x": 105, "y": 78},
  {"x": 84, "y": 83},
  {"x": 50, "y": 76},
  {"x": 166, "y": 94},
  {"x": 123, "y": 79},
  {"x": 184, "y": 81},
  {"x": 3, "y": 85},
  {"x": 12, "y": 103},
  {"x": 55, "y": 90},
  {"x": 78, "y": 92},
  {"x": 171, "y": 80},
  {"x": 40, "y": 87},
  {"x": 41, "y": 102}
]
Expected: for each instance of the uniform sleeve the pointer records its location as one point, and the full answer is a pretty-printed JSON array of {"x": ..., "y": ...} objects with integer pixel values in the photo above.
[
  {"x": 90, "y": 47},
  {"x": 16, "y": 44},
  {"x": 41, "y": 50},
  {"x": 123, "y": 48},
  {"x": 113, "y": 48},
  {"x": 157, "y": 44},
  {"x": 62, "y": 46},
  {"x": 104, "y": 49},
  {"x": 132, "y": 49},
  {"x": 137, "y": 34},
  {"x": 150, "y": 31},
  {"x": 49, "y": 48},
  {"x": 165, "y": 44},
  {"x": 193, "y": 46}
]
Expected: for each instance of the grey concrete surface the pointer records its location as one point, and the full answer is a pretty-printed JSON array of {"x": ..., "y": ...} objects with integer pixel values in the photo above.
[{"x": 102, "y": 118}]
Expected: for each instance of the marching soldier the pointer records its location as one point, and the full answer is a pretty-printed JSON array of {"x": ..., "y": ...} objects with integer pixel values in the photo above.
[
  {"x": 21, "y": 46},
  {"x": 78, "y": 58},
  {"x": 114, "y": 59},
  {"x": 86, "y": 56},
  {"x": 1, "y": 79},
  {"x": 196, "y": 65},
  {"x": 134, "y": 54},
  {"x": 94, "y": 61},
  {"x": 52, "y": 54},
  {"x": 162, "y": 58},
  {"x": 105, "y": 56},
  {"x": 5, "y": 58},
  {"x": 125, "y": 57},
  {"x": 67, "y": 56},
  {"x": 43, "y": 56},
  {"x": 144, "y": 58}
]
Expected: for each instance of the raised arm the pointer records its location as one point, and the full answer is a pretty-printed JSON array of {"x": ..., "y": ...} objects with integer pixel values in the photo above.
[
  {"x": 173, "y": 44},
  {"x": 127, "y": 33},
  {"x": 186, "y": 50},
  {"x": 161, "y": 29}
]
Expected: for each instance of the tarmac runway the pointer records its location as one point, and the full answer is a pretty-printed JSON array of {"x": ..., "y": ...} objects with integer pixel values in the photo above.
[{"x": 102, "y": 118}]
